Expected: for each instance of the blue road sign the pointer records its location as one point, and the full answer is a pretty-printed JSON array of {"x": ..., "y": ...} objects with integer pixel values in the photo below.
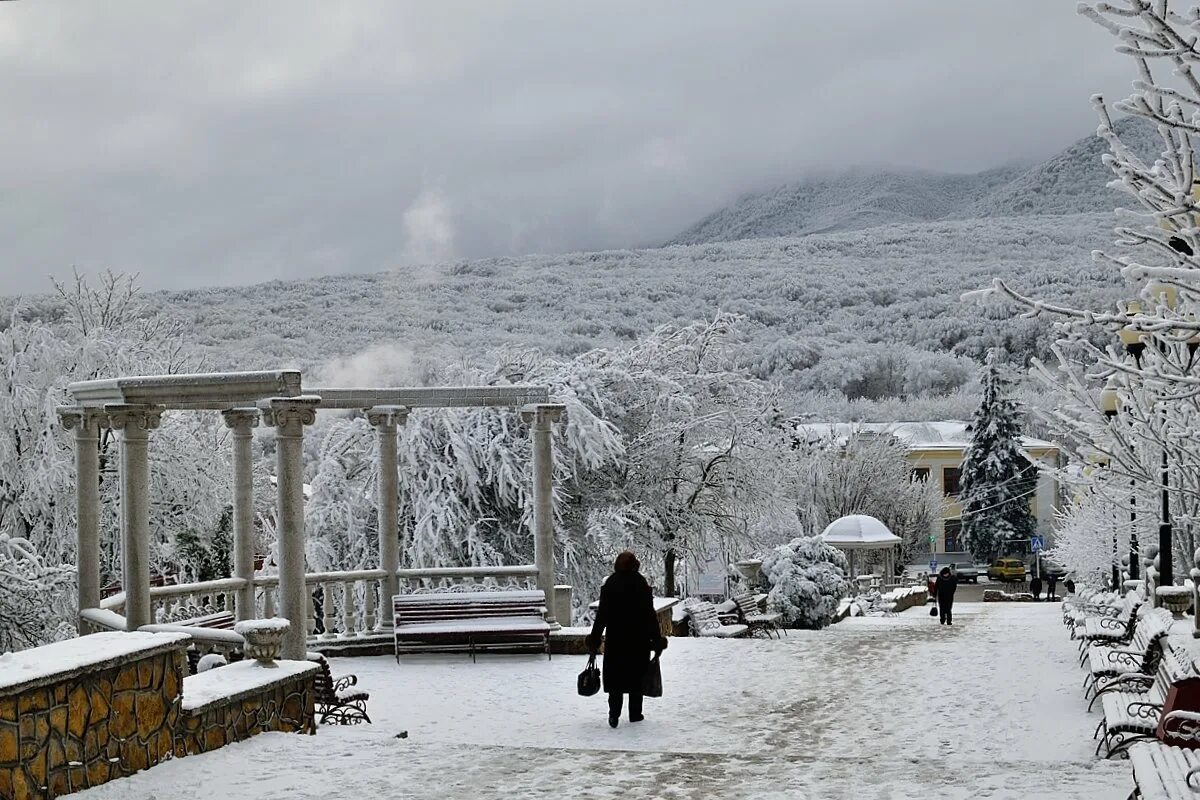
[
  {"x": 1036, "y": 544},
  {"x": 933, "y": 565}
]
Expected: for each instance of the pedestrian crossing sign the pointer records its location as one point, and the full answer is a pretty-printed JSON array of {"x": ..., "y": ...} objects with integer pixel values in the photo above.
[{"x": 1036, "y": 544}]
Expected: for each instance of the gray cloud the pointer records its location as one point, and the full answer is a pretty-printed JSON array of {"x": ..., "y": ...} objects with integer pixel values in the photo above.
[{"x": 204, "y": 142}]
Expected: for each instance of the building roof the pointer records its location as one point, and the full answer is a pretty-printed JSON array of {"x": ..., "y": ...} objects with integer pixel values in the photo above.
[
  {"x": 859, "y": 532},
  {"x": 945, "y": 435}
]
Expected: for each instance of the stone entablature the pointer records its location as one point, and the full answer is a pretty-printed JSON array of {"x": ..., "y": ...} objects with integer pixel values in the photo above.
[{"x": 79, "y": 713}]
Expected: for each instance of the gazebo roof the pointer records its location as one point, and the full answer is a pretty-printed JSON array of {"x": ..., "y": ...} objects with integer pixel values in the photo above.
[{"x": 859, "y": 532}]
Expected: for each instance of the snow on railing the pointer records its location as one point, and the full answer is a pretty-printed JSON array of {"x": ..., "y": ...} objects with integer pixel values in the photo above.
[{"x": 341, "y": 605}]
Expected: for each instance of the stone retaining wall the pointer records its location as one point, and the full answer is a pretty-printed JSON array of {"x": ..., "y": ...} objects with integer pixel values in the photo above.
[
  {"x": 66, "y": 732},
  {"x": 285, "y": 704}
]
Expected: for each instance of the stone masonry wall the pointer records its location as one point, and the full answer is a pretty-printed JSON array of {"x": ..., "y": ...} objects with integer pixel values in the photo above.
[
  {"x": 86, "y": 729},
  {"x": 286, "y": 706}
]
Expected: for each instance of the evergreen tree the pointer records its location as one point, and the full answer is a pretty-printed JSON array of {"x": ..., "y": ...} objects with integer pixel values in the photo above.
[{"x": 998, "y": 480}]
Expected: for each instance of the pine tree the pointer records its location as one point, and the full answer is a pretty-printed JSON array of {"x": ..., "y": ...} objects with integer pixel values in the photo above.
[{"x": 998, "y": 479}]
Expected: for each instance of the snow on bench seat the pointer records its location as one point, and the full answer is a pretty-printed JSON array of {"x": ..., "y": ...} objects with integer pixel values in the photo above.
[
  {"x": 477, "y": 625},
  {"x": 1161, "y": 771}
]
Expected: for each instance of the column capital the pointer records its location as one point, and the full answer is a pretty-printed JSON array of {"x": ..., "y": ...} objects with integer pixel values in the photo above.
[
  {"x": 241, "y": 420},
  {"x": 279, "y": 412},
  {"x": 380, "y": 416},
  {"x": 544, "y": 413},
  {"x": 81, "y": 420},
  {"x": 132, "y": 418}
]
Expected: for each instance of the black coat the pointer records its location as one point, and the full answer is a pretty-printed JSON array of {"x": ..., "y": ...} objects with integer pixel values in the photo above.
[
  {"x": 943, "y": 589},
  {"x": 628, "y": 626}
]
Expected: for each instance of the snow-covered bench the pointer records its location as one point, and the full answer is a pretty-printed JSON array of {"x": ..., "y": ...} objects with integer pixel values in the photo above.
[
  {"x": 1109, "y": 629},
  {"x": 335, "y": 699},
  {"x": 1139, "y": 657},
  {"x": 1164, "y": 771},
  {"x": 751, "y": 614},
  {"x": 1108, "y": 604},
  {"x": 704, "y": 621},
  {"x": 1131, "y": 712},
  {"x": 471, "y": 620}
]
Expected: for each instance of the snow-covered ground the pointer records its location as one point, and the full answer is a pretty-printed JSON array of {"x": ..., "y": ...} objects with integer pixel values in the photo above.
[{"x": 893, "y": 707}]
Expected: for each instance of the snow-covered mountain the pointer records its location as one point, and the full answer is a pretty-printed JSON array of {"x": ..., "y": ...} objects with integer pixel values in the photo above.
[{"x": 1071, "y": 182}]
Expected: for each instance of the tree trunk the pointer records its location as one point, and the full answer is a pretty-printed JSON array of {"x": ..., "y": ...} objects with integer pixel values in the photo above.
[{"x": 669, "y": 573}]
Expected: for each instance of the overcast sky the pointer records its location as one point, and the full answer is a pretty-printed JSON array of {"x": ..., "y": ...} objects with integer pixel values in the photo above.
[{"x": 204, "y": 142}]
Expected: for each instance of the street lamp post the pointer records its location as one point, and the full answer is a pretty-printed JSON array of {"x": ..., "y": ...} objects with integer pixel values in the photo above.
[
  {"x": 1109, "y": 400},
  {"x": 1135, "y": 344}
]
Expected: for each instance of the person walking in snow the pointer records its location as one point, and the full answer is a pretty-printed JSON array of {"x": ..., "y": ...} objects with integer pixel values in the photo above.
[
  {"x": 944, "y": 591},
  {"x": 1051, "y": 585},
  {"x": 628, "y": 627}
]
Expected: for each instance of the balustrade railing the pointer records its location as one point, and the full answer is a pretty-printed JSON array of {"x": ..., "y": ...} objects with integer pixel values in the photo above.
[{"x": 342, "y": 605}]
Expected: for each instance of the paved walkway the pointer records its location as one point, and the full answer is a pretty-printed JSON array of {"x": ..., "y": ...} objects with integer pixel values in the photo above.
[{"x": 882, "y": 708}]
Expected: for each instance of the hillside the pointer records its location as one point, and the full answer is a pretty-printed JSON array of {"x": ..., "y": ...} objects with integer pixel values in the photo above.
[
  {"x": 822, "y": 310},
  {"x": 1071, "y": 182}
]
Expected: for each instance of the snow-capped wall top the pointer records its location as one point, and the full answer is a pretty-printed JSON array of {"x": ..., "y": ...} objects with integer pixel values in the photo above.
[{"x": 98, "y": 650}]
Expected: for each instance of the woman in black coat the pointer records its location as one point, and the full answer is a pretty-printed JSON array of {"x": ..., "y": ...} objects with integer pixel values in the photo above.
[
  {"x": 628, "y": 627},
  {"x": 944, "y": 590}
]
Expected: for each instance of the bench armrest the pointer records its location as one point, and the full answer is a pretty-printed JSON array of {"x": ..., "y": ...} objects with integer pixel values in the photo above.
[
  {"x": 1111, "y": 623},
  {"x": 1130, "y": 658},
  {"x": 344, "y": 682}
]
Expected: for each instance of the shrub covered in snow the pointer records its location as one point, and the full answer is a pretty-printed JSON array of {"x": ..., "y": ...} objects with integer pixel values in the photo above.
[{"x": 807, "y": 579}]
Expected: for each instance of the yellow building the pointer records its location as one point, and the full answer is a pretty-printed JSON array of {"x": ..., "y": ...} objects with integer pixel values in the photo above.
[{"x": 936, "y": 451}]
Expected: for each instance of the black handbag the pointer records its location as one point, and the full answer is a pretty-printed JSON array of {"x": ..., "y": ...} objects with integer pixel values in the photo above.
[
  {"x": 933, "y": 612},
  {"x": 589, "y": 680},
  {"x": 652, "y": 680}
]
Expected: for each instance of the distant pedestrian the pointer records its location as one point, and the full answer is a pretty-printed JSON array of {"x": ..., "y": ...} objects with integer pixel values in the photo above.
[
  {"x": 944, "y": 590},
  {"x": 628, "y": 627},
  {"x": 1051, "y": 585},
  {"x": 1035, "y": 586}
]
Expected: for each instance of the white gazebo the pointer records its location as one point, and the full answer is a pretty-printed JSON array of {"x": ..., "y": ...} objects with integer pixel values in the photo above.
[{"x": 861, "y": 532}]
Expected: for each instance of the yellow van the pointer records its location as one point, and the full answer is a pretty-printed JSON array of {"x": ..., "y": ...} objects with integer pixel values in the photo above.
[{"x": 1007, "y": 570}]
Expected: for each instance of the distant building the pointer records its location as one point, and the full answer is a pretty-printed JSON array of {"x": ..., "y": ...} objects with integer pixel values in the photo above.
[{"x": 936, "y": 451}]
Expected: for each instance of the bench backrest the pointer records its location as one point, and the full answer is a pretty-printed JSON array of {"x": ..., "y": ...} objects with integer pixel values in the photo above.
[
  {"x": 438, "y": 607},
  {"x": 323, "y": 680},
  {"x": 745, "y": 602},
  {"x": 1173, "y": 666},
  {"x": 222, "y": 620},
  {"x": 702, "y": 615},
  {"x": 1151, "y": 624}
]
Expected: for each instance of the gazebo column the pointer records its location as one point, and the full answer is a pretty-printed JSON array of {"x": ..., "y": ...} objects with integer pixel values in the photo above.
[
  {"x": 541, "y": 419},
  {"x": 242, "y": 421},
  {"x": 134, "y": 422},
  {"x": 288, "y": 416},
  {"x": 387, "y": 420},
  {"x": 86, "y": 423}
]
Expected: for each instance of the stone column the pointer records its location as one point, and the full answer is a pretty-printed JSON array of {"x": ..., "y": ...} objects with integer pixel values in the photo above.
[
  {"x": 86, "y": 423},
  {"x": 134, "y": 422},
  {"x": 541, "y": 419},
  {"x": 241, "y": 421},
  {"x": 386, "y": 421},
  {"x": 288, "y": 416}
]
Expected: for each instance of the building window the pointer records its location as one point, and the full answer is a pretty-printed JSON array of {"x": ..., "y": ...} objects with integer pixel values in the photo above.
[
  {"x": 953, "y": 535},
  {"x": 950, "y": 476},
  {"x": 920, "y": 474}
]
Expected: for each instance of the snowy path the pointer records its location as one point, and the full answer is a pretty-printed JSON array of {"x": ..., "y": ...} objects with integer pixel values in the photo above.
[{"x": 881, "y": 708}]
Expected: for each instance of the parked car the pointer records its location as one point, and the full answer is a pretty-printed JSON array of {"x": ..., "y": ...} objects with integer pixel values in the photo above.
[
  {"x": 1007, "y": 570},
  {"x": 1051, "y": 568},
  {"x": 967, "y": 572}
]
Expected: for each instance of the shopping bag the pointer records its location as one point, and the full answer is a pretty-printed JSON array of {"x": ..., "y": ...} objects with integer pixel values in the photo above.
[
  {"x": 589, "y": 680},
  {"x": 652, "y": 680},
  {"x": 933, "y": 611}
]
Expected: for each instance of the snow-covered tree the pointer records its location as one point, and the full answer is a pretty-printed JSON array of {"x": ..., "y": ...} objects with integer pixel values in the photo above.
[
  {"x": 998, "y": 479},
  {"x": 37, "y": 603},
  {"x": 808, "y": 578},
  {"x": 864, "y": 473}
]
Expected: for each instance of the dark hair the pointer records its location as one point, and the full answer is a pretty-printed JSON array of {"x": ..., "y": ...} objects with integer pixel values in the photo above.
[
  {"x": 626, "y": 562},
  {"x": 945, "y": 570}
]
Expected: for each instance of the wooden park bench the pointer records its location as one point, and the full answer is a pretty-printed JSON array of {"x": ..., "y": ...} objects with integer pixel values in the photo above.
[
  {"x": 1106, "y": 663},
  {"x": 1108, "y": 630},
  {"x": 1163, "y": 771},
  {"x": 336, "y": 699},
  {"x": 1131, "y": 713},
  {"x": 1102, "y": 605},
  {"x": 751, "y": 614},
  {"x": 703, "y": 620},
  {"x": 474, "y": 621}
]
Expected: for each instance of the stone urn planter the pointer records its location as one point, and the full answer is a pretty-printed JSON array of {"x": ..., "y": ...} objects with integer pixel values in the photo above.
[
  {"x": 263, "y": 638},
  {"x": 1176, "y": 599}
]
